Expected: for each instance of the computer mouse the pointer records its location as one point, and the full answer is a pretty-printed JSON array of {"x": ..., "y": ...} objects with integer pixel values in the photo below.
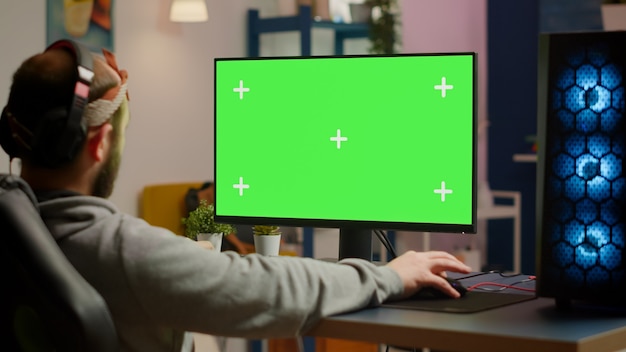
[
  {"x": 433, "y": 293},
  {"x": 457, "y": 285}
]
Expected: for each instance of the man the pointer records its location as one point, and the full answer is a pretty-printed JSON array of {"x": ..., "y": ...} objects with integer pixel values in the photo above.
[{"x": 148, "y": 276}]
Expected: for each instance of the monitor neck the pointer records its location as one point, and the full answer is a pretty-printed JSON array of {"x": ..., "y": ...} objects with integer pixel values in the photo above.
[{"x": 355, "y": 243}]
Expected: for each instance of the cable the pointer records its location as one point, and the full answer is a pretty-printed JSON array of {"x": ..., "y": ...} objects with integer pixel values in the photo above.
[
  {"x": 490, "y": 272},
  {"x": 391, "y": 248},
  {"x": 501, "y": 287},
  {"x": 382, "y": 237}
]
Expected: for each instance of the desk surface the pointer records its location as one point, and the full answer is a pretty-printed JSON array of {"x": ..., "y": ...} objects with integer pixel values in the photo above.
[{"x": 533, "y": 325}]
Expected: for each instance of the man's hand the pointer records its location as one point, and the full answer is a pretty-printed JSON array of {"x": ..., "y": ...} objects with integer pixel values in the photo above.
[{"x": 423, "y": 269}]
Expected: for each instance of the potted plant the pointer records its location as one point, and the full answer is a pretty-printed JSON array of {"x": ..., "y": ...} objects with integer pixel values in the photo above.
[
  {"x": 613, "y": 15},
  {"x": 200, "y": 225},
  {"x": 383, "y": 31},
  {"x": 266, "y": 239}
]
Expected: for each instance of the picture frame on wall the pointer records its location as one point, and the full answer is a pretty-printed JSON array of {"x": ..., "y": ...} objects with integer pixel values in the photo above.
[{"x": 89, "y": 22}]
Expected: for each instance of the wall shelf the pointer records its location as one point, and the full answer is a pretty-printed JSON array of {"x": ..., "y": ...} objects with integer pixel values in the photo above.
[{"x": 303, "y": 23}]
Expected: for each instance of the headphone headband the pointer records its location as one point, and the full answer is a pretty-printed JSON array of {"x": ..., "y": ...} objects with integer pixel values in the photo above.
[{"x": 67, "y": 146}]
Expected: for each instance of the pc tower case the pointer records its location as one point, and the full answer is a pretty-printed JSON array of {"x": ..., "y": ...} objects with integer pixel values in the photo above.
[{"x": 581, "y": 181}]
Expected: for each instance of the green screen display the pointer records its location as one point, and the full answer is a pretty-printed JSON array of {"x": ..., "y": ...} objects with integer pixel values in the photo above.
[{"x": 378, "y": 141}]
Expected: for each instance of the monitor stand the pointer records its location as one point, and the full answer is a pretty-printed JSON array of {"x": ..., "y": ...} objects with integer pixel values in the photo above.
[{"x": 355, "y": 243}]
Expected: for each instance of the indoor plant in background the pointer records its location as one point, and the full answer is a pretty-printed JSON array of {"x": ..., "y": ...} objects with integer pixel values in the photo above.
[
  {"x": 200, "y": 225},
  {"x": 614, "y": 15},
  {"x": 266, "y": 239},
  {"x": 383, "y": 26}
]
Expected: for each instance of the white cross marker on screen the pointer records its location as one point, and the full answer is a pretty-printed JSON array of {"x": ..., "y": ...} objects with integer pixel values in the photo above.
[
  {"x": 443, "y": 191},
  {"x": 443, "y": 87},
  {"x": 241, "y": 90},
  {"x": 338, "y": 139},
  {"x": 241, "y": 186}
]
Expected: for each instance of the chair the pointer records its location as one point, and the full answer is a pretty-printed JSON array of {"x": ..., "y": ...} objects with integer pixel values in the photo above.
[
  {"x": 163, "y": 205},
  {"x": 46, "y": 304}
]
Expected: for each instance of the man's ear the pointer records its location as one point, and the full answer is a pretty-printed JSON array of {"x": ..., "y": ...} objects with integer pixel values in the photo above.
[{"x": 99, "y": 141}]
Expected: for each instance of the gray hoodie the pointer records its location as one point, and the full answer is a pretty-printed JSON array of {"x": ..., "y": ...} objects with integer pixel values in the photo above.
[{"x": 159, "y": 285}]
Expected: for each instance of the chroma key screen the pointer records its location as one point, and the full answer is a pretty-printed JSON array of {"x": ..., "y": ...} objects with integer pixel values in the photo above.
[{"x": 363, "y": 141}]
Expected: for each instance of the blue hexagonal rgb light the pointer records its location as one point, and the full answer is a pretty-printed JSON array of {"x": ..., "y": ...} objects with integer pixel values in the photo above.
[{"x": 586, "y": 187}]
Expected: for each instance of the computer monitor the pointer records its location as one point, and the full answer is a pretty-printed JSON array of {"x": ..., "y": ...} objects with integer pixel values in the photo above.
[
  {"x": 349, "y": 142},
  {"x": 581, "y": 181}
]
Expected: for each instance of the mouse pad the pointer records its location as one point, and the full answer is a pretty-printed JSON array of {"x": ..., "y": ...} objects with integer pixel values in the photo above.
[{"x": 473, "y": 301}]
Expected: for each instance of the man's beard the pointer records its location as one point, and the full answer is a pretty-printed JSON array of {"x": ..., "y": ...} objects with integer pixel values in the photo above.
[{"x": 105, "y": 181}]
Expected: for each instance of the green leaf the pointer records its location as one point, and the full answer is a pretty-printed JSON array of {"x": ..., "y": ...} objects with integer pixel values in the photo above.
[{"x": 202, "y": 220}]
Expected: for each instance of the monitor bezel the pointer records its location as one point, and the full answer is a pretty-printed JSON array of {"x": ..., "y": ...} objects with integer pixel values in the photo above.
[{"x": 347, "y": 223}]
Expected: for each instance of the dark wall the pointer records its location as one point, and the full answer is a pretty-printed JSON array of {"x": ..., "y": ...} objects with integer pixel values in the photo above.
[
  {"x": 512, "y": 48},
  {"x": 513, "y": 28}
]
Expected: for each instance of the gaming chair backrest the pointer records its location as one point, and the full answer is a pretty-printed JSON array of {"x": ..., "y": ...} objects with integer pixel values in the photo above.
[{"x": 46, "y": 303}]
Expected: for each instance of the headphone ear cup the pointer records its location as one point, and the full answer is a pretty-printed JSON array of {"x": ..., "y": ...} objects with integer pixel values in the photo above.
[
  {"x": 6, "y": 139},
  {"x": 55, "y": 142}
]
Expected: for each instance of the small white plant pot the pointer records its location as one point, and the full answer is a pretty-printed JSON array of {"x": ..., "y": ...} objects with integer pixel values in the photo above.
[
  {"x": 214, "y": 238},
  {"x": 268, "y": 245}
]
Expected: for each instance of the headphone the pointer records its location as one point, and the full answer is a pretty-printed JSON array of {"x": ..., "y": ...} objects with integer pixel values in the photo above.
[{"x": 59, "y": 132}]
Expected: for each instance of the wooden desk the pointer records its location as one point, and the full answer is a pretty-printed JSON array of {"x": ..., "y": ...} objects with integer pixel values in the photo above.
[{"x": 528, "y": 326}]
